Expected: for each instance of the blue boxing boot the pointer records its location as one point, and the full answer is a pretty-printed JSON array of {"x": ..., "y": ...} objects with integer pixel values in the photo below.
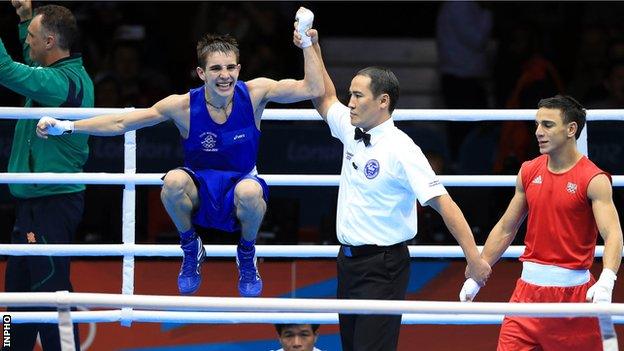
[
  {"x": 190, "y": 274},
  {"x": 249, "y": 281}
]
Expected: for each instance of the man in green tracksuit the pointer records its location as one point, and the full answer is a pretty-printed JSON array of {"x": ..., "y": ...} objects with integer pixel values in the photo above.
[{"x": 45, "y": 214}]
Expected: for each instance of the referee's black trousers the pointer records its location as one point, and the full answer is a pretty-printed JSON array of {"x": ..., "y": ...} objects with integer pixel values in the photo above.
[{"x": 381, "y": 274}]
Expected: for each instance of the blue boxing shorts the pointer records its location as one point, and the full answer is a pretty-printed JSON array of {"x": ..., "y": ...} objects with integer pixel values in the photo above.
[{"x": 216, "y": 197}]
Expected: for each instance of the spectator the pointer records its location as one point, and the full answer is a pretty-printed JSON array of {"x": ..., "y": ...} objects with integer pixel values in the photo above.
[
  {"x": 463, "y": 33},
  {"x": 297, "y": 337},
  {"x": 534, "y": 76}
]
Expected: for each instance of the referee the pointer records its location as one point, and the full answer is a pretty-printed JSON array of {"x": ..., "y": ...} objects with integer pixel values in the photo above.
[{"x": 383, "y": 174}]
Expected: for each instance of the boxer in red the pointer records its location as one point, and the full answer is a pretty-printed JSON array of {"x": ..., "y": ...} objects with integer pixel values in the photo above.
[{"x": 568, "y": 200}]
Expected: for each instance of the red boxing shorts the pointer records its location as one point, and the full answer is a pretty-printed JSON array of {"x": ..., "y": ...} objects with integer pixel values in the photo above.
[{"x": 552, "y": 334}]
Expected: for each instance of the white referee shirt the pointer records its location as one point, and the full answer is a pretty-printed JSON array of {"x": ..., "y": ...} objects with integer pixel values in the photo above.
[{"x": 379, "y": 184}]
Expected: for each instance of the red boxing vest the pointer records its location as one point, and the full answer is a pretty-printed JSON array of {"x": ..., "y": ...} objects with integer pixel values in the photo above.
[{"x": 561, "y": 229}]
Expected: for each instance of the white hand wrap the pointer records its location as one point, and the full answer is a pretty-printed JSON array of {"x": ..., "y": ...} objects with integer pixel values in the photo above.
[
  {"x": 57, "y": 127},
  {"x": 602, "y": 291},
  {"x": 304, "y": 18},
  {"x": 469, "y": 291}
]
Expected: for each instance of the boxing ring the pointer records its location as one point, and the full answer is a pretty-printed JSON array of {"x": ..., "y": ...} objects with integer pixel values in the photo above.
[{"x": 127, "y": 307}]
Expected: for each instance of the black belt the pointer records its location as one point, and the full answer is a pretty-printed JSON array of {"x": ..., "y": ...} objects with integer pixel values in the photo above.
[{"x": 364, "y": 250}]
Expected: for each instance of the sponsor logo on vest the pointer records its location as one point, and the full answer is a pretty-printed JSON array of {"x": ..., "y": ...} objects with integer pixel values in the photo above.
[{"x": 537, "y": 180}]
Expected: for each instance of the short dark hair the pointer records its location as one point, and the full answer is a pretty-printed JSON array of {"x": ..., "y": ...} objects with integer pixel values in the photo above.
[
  {"x": 211, "y": 43},
  {"x": 383, "y": 81},
  {"x": 60, "y": 21},
  {"x": 280, "y": 327},
  {"x": 571, "y": 110}
]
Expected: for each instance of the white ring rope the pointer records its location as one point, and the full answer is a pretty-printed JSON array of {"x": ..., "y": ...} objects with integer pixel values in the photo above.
[
  {"x": 112, "y": 316},
  {"x": 312, "y": 115},
  {"x": 281, "y": 251},
  {"x": 241, "y": 304},
  {"x": 271, "y": 179}
]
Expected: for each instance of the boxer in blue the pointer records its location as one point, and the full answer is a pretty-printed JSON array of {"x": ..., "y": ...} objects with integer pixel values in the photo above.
[{"x": 219, "y": 123}]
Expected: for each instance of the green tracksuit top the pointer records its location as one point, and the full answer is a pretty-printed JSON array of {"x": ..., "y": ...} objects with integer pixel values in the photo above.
[{"x": 65, "y": 83}]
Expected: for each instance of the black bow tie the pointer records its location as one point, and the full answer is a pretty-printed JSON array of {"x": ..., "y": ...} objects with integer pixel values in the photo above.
[{"x": 359, "y": 134}]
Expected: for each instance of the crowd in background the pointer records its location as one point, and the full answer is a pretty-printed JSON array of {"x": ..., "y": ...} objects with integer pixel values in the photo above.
[{"x": 138, "y": 52}]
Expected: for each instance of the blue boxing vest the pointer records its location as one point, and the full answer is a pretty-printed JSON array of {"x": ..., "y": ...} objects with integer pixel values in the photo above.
[{"x": 231, "y": 146}]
